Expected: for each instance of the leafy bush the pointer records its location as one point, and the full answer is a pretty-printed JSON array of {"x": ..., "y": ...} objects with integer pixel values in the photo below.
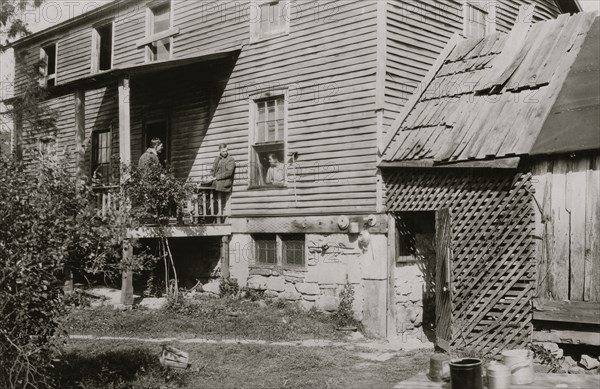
[
  {"x": 253, "y": 294},
  {"x": 228, "y": 287},
  {"x": 344, "y": 316}
]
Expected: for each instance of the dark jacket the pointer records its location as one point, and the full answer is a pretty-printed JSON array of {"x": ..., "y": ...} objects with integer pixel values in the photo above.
[
  {"x": 223, "y": 171},
  {"x": 149, "y": 158}
]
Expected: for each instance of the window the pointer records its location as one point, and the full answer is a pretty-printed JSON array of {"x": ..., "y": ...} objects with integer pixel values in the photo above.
[
  {"x": 271, "y": 19},
  {"x": 102, "y": 50},
  {"x": 479, "y": 18},
  {"x": 101, "y": 157},
  {"x": 268, "y": 164},
  {"x": 160, "y": 22},
  {"x": 293, "y": 250},
  {"x": 280, "y": 250},
  {"x": 266, "y": 249},
  {"x": 48, "y": 65}
]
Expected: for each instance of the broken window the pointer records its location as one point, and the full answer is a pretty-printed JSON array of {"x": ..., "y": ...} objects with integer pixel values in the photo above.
[{"x": 48, "y": 65}]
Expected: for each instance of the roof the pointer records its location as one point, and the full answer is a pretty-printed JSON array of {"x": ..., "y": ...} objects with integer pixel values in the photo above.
[{"x": 495, "y": 97}]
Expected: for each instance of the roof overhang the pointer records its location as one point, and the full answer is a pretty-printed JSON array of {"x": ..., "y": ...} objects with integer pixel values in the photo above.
[{"x": 501, "y": 163}]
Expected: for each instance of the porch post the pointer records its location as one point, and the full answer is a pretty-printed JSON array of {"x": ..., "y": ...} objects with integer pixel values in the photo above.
[
  {"x": 79, "y": 98},
  {"x": 124, "y": 122},
  {"x": 225, "y": 256},
  {"x": 127, "y": 279},
  {"x": 125, "y": 158}
]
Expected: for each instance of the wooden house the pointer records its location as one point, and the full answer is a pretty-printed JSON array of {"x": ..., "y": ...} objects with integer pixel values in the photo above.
[
  {"x": 498, "y": 158},
  {"x": 315, "y": 83}
]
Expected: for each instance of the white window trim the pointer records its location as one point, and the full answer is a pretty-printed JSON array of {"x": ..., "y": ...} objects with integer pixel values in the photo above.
[
  {"x": 151, "y": 37},
  {"x": 489, "y": 7},
  {"x": 271, "y": 93},
  {"x": 95, "y": 68},
  {"x": 44, "y": 78},
  {"x": 255, "y": 32}
]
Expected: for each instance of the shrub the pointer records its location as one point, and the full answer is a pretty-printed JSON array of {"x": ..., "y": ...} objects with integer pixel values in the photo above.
[
  {"x": 344, "y": 316},
  {"x": 229, "y": 287}
]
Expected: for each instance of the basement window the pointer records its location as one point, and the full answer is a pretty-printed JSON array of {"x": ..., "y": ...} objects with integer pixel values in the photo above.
[
  {"x": 48, "y": 65},
  {"x": 280, "y": 250},
  {"x": 102, "y": 50}
]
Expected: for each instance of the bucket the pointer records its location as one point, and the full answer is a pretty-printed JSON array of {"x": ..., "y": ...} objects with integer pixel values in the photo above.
[
  {"x": 466, "y": 373},
  {"x": 438, "y": 367},
  {"x": 498, "y": 376},
  {"x": 520, "y": 362}
]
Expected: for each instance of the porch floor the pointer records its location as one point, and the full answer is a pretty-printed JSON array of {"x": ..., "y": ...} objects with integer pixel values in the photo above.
[{"x": 542, "y": 381}]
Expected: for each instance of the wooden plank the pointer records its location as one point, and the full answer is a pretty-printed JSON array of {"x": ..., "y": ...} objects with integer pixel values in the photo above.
[
  {"x": 79, "y": 99},
  {"x": 127, "y": 276},
  {"x": 568, "y": 337},
  {"x": 124, "y": 121},
  {"x": 576, "y": 206},
  {"x": 326, "y": 224},
  {"x": 592, "y": 232},
  {"x": 566, "y": 311},
  {"x": 559, "y": 223}
]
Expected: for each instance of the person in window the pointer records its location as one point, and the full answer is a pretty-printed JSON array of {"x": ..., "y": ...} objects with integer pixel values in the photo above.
[
  {"x": 276, "y": 172},
  {"x": 150, "y": 156},
  {"x": 223, "y": 170}
]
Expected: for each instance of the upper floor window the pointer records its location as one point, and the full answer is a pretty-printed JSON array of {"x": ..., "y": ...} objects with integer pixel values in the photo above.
[
  {"x": 48, "y": 65},
  {"x": 479, "y": 18},
  {"x": 270, "y": 18},
  {"x": 159, "y": 23},
  {"x": 268, "y": 146},
  {"x": 102, "y": 48},
  {"x": 101, "y": 157}
]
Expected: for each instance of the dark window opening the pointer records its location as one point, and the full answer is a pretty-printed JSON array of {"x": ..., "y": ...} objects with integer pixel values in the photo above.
[
  {"x": 50, "y": 64},
  {"x": 101, "y": 157},
  {"x": 293, "y": 250},
  {"x": 105, "y": 47},
  {"x": 266, "y": 249}
]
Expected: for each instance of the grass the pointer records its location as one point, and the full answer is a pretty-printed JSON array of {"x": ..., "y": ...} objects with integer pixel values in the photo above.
[
  {"x": 211, "y": 319},
  {"x": 119, "y": 365}
]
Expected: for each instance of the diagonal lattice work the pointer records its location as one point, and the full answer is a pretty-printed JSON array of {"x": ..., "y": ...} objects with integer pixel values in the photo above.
[{"x": 493, "y": 272}]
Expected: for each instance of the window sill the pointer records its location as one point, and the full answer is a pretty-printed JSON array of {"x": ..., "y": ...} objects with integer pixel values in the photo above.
[
  {"x": 156, "y": 37},
  {"x": 267, "y": 188},
  {"x": 269, "y": 37}
]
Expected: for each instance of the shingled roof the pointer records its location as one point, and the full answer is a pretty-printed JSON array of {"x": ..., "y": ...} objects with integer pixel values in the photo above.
[{"x": 493, "y": 97}]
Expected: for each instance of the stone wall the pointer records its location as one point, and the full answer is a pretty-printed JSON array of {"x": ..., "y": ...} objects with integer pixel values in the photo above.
[{"x": 330, "y": 261}]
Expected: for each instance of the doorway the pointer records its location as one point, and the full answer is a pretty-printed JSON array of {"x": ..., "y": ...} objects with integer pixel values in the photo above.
[{"x": 158, "y": 129}]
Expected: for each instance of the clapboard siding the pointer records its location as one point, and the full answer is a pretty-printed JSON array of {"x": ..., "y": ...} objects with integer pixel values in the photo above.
[
  {"x": 417, "y": 33},
  {"x": 567, "y": 204}
]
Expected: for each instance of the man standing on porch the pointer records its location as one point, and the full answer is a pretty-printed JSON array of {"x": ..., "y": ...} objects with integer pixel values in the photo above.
[
  {"x": 223, "y": 170},
  {"x": 150, "y": 156}
]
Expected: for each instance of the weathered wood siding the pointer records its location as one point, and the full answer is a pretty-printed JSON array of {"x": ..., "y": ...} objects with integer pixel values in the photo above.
[
  {"x": 567, "y": 197},
  {"x": 417, "y": 33}
]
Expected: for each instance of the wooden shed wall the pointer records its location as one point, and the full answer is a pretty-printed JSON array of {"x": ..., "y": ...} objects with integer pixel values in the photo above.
[
  {"x": 493, "y": 268},
  {"x": 567, "y": 214},
  {"x": 418, "y": 31}
]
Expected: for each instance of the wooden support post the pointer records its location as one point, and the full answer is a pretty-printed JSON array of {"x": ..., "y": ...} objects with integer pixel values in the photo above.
[
  {"x": 225, "y": 256},
  {"x": 79, "y": 98},
  {"x": 124, "y": 122},
  {"x": 127, "y": 280},
  {"x": 391, "y": 329}
]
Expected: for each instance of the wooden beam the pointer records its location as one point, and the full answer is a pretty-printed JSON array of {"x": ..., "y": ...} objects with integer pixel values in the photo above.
[
  {"x": 225, "y": 256},
  {"x": 391, "y": 262},
  {"x": 501, "y": 163},
  {"x": 568, "y": 337},
  {"x": 326, "y": 224},
  {"x": 124, "y": 121},
  {"x": 156, "y": 37},
  {"x": 566, "y": 311},
  {"x": 127, "y": 276},
  {"x": 180, "y": 232},
  {"x": 79, "y": 97}
]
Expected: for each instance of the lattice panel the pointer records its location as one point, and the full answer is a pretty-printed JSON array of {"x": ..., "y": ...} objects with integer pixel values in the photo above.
[{"x": 493, "y": 270}]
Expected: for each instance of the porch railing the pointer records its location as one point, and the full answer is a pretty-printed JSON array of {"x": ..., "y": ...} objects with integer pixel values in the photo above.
[{"x": 205, "y": 206}]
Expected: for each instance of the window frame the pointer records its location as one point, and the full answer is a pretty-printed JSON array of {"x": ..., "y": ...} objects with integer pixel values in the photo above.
[
  {"x": 280, "y": 253},
  {"x": 152, "y": 37},
  {"x": 266, "y": 146},
  {"x": 94, "y": 154},
  {"x": 44, "y": 71},
  {"x": 488, "y": 8},
  {"x": 97, "y": 46},
  {"x": 256, "y": 33}
]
